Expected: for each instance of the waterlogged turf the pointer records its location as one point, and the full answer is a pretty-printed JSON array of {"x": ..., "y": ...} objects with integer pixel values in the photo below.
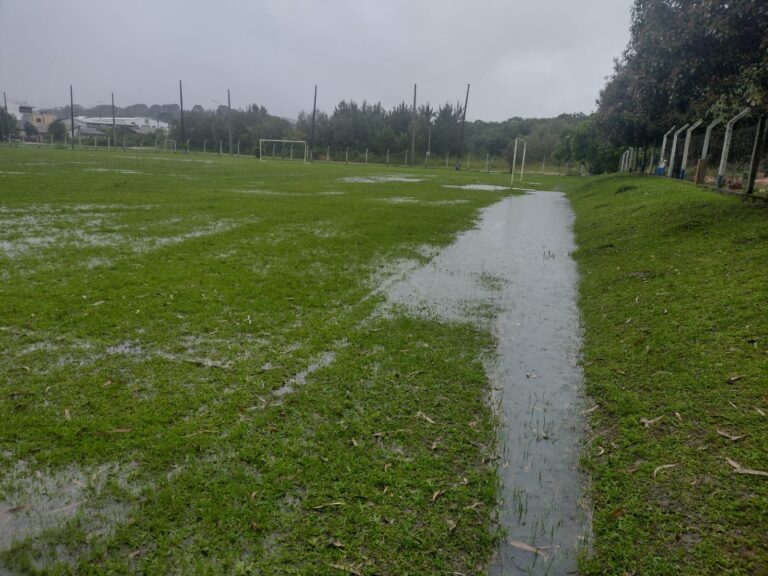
[{"x": 196, "y": 376}]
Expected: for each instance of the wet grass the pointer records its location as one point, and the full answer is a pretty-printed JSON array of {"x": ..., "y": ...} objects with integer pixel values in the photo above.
[
  {"x": 673, "y": 298},
  {"x": 152, "y": 306}
]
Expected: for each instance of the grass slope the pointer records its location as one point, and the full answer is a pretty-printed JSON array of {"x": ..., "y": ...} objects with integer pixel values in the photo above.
[
  {"x": 152, "y": 306},
  {"x": 674, "y": 297}
]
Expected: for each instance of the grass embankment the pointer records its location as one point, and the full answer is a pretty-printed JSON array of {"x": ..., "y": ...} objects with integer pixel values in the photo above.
[
  {"x": 151, "y": 307},
  {"x": 674, "y": 297}
]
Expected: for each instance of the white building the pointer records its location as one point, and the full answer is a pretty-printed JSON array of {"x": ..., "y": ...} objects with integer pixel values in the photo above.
[{"x": 142, "y": 125}]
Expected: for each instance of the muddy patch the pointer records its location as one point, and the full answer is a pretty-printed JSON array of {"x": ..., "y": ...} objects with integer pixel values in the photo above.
[{"x": 514, "y": 275}]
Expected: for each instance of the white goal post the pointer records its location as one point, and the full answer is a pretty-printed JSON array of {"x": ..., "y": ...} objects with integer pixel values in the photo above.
[{"x": 284, "y": 144}]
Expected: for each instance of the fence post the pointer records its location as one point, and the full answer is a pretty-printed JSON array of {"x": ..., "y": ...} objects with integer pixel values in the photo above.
[
  {"x": 757, "y": 153},
  {"x": 701, "y": 169},
  {"x": 687, "y": 147},
  {"x": 674, "y": 149},
  {"x": 660, "y": 169},
  {"x": 727, "y": 145}
]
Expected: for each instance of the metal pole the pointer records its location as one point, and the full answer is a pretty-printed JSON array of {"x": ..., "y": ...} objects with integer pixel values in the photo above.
[
  {"x": 346, "y": 157},
  {"x": 387, "y": 156},
  {"x": 72, "y": 115},
  {"x": 312, "y": 132},
  {"x": 229, "y": 123},
  {"x": 687, "y": 147},
  {"x": 447, "y": 157},
  {"x": 413, "y": 127},
  {"x": 514, "y": 162},
  {"x": 114, "y": 124},
  {"x": 727, "y": 145},
  {"x": 461, "y": 130},
  {"x": 328, "y": 154},
  {"x": 181, "y": 103},
  {"x": 757, "y": 153},
  {"x": 7, "y": 117},
  {"x": 487, "y": 159},
  {"x": 674, "y": 149},
  {"x": 5, "y": 109},
  {"x": 660, "y": 169},
  {"x": 366, "y": 155},
  {"x": 522, "y": 164}
]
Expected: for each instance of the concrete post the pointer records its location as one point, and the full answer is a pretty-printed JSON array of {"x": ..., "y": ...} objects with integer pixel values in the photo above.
[
  {"x": 660, "y": 169},
  {"x": 687, "y": 147},
  {"x": 674, "y": 149},
  {"x": 727, "y": 145}
]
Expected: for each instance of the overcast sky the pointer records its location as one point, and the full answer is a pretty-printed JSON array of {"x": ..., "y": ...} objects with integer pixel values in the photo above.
[{"x": 522, "y": 57}]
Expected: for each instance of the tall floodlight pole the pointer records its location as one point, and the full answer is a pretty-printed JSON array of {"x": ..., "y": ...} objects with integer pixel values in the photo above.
[
  {"x": 461, "y": 130},
  {"x": 114, "y": 127},
  {"x": 2, "y": 123},
  {"x": 312, "y": 132},
  {"x": 72, "y": 115},
  {"x": 229, "y": 121},
  {"x": 181, "y": 104},
  {"x": 413, "y": 128}
]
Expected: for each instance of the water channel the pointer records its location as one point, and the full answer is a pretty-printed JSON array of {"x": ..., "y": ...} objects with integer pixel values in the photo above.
[{"x": 514, "y": 273}]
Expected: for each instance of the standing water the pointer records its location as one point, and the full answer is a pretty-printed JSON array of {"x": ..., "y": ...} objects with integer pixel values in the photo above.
[{"x": 515, "y": 271}]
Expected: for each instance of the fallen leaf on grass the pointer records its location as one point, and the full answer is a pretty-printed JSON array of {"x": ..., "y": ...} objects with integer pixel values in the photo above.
[
  {"x": 27, "y": 368},
  {"x": 759, "y": 411},
  {"x": 590, "y": 410},
  {"x": 352, "y": 569},
  {"x": 436, "y": 443},
  {"x": 739, "y": 469},
  {"x": 336, "y": 543},
  {"x": 618, "y": 513},
  {"x": 135, "y": 554},
  {"x": 735, "y": 378},
  {"x": 473, "y": 506},
  {"x": 648, "y": 423},
  {"x": 452, "y": 524},
  {"x": 677, "y": 415},
  {"x": 662, "y": 467},
  {"x": 437, "y": 494},
  {"x": 118, "y": 431},
  {"x": 421, "y": 414},
  {"x": 67, "y": 415},
  {"x": 329, "y": 505},
  {"x": 600, "y": 451},
  {"x": 730, "y": 437},
  {"x": 733, "y": 405}
]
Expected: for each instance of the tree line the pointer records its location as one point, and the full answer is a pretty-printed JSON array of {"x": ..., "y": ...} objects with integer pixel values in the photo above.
[
  {"x": 359, "y": 127},
  {"x": 686, "y": 59}
]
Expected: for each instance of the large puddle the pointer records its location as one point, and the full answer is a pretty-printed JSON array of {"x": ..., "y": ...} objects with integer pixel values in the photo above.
[{"x": 515, "y": 274}]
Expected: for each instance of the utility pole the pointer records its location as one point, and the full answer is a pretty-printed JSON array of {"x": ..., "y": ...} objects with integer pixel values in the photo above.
[
  {"x": 461, "y": 130},
  {"x": 72, "y": 115},
  {"x": 312, "y": 133},
  {"x": 2, "y": 123},
  {"x": 114, "y": 129},
  {"x": 229, "y": 123},
  {"x": 413, "y": 128},
  {"x": 181, "y": 103}
]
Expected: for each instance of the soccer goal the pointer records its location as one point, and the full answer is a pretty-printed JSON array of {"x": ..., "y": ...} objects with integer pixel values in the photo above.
[{"x": 282, "y": 149}]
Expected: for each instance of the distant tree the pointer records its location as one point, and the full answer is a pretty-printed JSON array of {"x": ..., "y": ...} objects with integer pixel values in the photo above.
[
  {"x": 57, "y": 130},
  {"x": 8, "y": 123}
]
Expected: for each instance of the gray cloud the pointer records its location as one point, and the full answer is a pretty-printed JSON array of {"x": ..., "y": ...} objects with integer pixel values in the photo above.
[{"x": 523, "y": 58}]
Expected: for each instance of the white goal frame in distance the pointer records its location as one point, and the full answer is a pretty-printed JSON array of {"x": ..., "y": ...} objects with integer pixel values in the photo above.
[{"x": 264, "y": 140}]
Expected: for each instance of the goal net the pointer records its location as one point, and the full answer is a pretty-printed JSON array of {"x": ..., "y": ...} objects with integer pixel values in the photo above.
[{"x": 282, "y": 149}]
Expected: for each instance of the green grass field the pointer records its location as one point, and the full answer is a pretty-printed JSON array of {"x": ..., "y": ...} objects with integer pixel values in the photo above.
[
  {"x": 197, "y": 378},
  {"x": 674, "y": 299},
  {"x": 155, "y": 309}
]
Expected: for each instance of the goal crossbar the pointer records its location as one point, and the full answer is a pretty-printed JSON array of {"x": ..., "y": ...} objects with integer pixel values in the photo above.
[{"x": 263, "y": 141}]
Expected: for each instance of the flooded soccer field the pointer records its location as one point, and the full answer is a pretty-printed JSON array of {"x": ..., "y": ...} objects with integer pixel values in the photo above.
[{"x": 221, "y": 365}]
